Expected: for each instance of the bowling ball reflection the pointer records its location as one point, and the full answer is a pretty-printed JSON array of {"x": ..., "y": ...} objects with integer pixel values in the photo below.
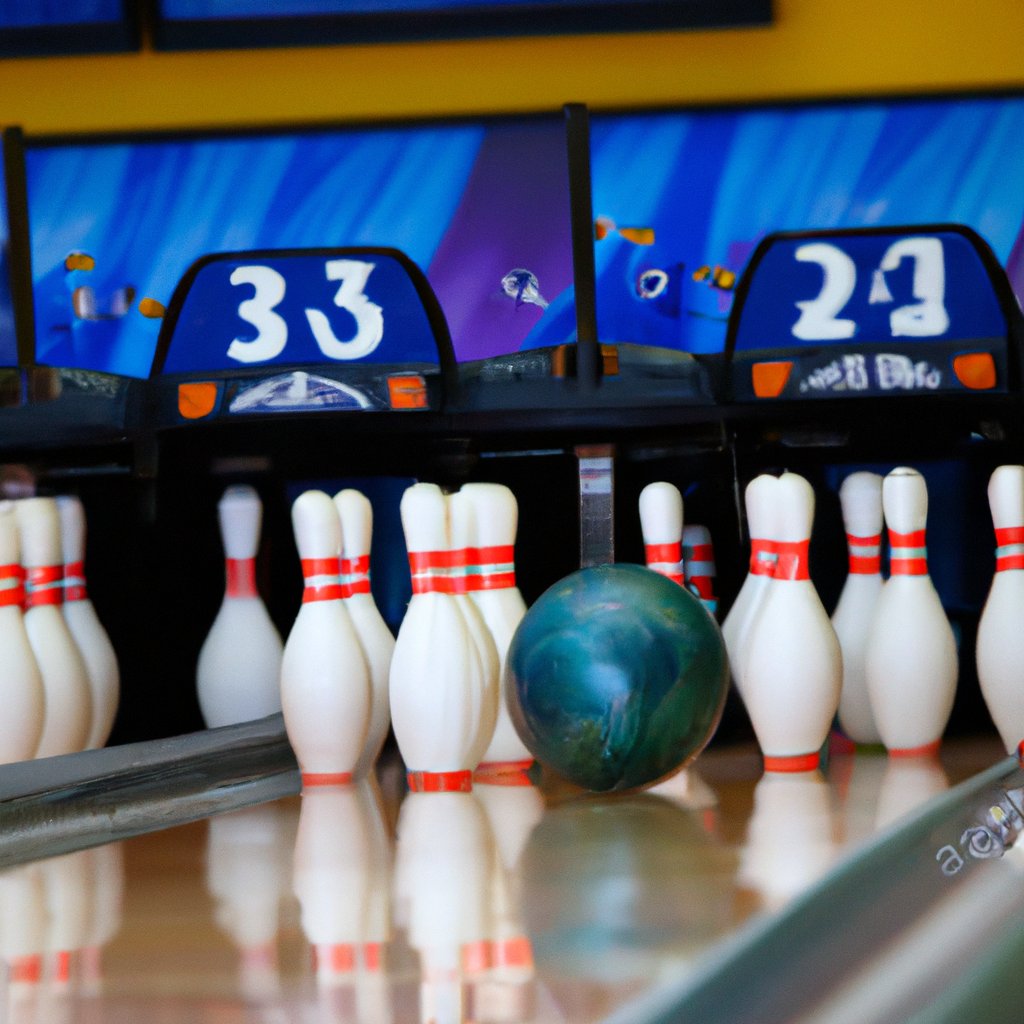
[
  {"x": 619, "y": 889},
  {"x": 616, "y": 677}
]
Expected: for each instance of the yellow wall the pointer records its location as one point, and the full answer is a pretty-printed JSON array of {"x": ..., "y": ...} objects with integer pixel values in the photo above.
[{"x": 815, "y": 48}]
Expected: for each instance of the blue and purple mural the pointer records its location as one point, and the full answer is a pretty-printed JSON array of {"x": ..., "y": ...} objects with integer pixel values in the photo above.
[
  {"x": 114, "y": 224},
  {"x": 681, "y": 198}
]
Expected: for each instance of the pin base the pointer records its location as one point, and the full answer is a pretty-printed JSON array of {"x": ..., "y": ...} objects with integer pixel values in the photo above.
[
  {"x": 503, "y": 773},
  {"x": 312, "y": 779},
  {"x": 440, "y": 782},
  {"x": 792, "y": 762},
  {"x": 925, "y": 750}
]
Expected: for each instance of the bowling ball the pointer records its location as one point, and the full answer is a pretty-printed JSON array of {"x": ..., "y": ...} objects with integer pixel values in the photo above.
[{"x": 616, "y": 677}]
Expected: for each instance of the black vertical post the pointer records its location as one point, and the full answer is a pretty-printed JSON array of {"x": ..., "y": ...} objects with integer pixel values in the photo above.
[
  {"x": 588, "y": 350},
  {"x": 19, "y": 251}
]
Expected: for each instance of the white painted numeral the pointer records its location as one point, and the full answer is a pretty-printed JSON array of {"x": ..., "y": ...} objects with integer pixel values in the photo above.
[
  {"x": 927, "y": 317},
  {"x": 368, "y": 315},
  {"x": 818, "y": 316},
  {"x": 272, "y": 330}
]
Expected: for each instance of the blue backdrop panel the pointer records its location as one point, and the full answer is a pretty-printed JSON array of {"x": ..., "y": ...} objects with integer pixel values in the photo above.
[{"x": 712, "y": 184}]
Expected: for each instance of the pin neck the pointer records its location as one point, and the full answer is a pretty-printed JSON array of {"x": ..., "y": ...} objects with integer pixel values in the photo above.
[
  {"x": 792, "y": 562},
  {"x": 763, "y": 555},
  {"x": 323, "y": 580},
  {"x": 44, "y": 584},
  {"x": 12, "y": 585},
  {"x": 908, "y": 555},
  {"x": 667, "y": 560},
  {"x": 1010, "y": 548},
  {"x": 865, "y": 554},
  {"x": 241, "y": 577}
]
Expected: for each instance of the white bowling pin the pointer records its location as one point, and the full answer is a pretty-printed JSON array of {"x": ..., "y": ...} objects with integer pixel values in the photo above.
[
  {"x": 462, "y": 536},
  {"x": 80, "y": 614},
  {"x": 759, "y": 501},
  {"x": 21, "y": 725},
  {"x": 861, "y": 499},
  {"x": 65, "y": 678},
  {"x": 492, "y": 588},
  {"x": 911, "y": 662},
  {"x": 444, "y": 703},
  {"x": 325, "y": 681},
  {"x": 793, "y": 668},
  {"x": 377, "y": 640},
  {"x": 699, "y": 565},
  {"x": 1000, "y": 642},
  {"x": 661, "y": 523},
  {"x": 239, "y": 665}
]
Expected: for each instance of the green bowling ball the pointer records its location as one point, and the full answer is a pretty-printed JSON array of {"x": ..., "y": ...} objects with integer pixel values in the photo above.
[{"x": 616, "y": 677}]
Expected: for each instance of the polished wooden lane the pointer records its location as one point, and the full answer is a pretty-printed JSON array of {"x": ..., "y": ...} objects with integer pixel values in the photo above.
[{"x": 511, "y": 904}]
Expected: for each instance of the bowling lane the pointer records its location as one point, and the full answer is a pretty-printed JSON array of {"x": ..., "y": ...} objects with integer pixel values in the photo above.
[{"x": 511, "y": 903}]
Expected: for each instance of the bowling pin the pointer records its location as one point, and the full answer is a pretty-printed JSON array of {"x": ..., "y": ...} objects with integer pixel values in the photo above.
[
  {"x": 1000, "y": 643},
  {"x": 377, "y": 640},
  {"x": 793, "y": 668},
  {"x": 240, "y": 661},
  {"x": 661, "y": 523},
  {"x": 759, "y": 501},
  {"x": 21, "y": 725},
  {"x": 493, "y": 590},
  {"x": 462, "y": 535},
  {"x": 911, "y": 661},
  {"x": 444, "y": 703},
  {"x": 699, "y": 565},
  {"x": 325, "y": 681},
  {"x": 93, "y": 642},
  {"x": 68, "y": 718},
  {"x": 861, "y": 499}
]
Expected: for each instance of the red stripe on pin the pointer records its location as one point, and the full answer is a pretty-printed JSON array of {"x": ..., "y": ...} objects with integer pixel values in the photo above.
[
  {"x": 15, "y": 593},
  {"x": 762, "y": 557},
  {"x": 668, "y": 552},
  {"x": 702, "y": 553},
  {"x": 74, "y": 582},
  {"x": 43, "y": 585},
  {"x": 1010, "y": 535},
  {"x": 792, "y": 560},
  {"x": 907, "y": 566},
  {"x": 241, "y": 577},
  {"x": 441, "y": 782},
  {"x": 430, "y": 570}
]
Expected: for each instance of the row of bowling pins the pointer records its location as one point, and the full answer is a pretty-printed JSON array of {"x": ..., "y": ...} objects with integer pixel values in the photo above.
[
  {"x": 343, "y": 676},
  {"x": 886, "y": 662},
  {"x": 682, "y": 552},
  {"x": 60, "y": 673}
]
